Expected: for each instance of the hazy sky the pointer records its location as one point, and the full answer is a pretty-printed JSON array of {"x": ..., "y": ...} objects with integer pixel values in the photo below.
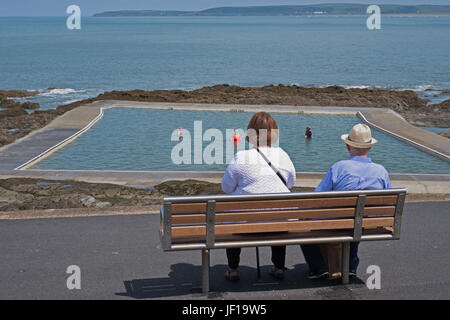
[{"x": 89, "y": 7}]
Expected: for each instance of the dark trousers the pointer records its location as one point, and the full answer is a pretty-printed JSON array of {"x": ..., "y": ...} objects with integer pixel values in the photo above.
[
  {"x": 278, "y": 257},
  {"x": 316, "y": 262}
]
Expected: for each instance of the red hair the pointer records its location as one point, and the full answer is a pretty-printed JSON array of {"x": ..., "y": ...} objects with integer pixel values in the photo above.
[{"x": 264, "y": 127}]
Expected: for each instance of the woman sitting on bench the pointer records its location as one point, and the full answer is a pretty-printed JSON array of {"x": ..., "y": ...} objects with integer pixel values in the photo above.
[{"x": 261, "y": 169}]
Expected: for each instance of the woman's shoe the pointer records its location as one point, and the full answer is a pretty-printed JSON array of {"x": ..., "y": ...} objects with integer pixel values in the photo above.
[
  {"x": 232, "y": 275},
  {"x": 277, "y": 273}
]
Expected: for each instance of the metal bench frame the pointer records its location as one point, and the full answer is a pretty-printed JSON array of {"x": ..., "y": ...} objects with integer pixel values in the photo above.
[{"x": 166, "y": 225}]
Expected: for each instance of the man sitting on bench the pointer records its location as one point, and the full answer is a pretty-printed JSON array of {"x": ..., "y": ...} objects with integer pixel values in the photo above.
[{"x": 357, "y": 173}]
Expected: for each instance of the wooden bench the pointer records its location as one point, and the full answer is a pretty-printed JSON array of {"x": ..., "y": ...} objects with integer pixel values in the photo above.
[{"x": 227, "y": 221}]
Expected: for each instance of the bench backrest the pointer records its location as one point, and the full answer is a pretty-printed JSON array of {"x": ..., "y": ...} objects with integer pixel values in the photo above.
[{"x": 269, "y": 219}]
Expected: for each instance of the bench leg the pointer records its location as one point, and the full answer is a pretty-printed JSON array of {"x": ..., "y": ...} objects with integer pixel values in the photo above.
[
  {"x": 345, "y": 262},
  {"x": 205, "y": 271}
]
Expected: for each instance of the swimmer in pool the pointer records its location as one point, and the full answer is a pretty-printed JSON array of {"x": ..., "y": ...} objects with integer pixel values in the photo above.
[{"x": 308, "y": 133}]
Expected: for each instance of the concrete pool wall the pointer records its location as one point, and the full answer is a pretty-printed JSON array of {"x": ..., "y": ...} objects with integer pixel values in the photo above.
[{"x": 17, "y": 159}]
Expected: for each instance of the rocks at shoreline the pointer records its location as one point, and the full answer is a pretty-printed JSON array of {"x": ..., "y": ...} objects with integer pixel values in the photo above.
[
  {"x": 18, "y": 93},
  {"x": 435, "y": 115},
  {"x": 28, "y": 194},
  {"x": 35, "y": 194},
  {"x": 445, "y": 134},
  {"x": 14, "y": 123},
  {"x": 30, "y": 105},
  {"x": 188, "y": 187},
  {"x": 13, "y": 112},
  {"x": 282, "y": 95},
  {"x": 7, "y": 103}
]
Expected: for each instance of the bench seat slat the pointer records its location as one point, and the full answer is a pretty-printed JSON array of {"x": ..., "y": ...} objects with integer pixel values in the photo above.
[
  {"x": 381, "y": 200},
  {"x": 299, "y": 203},
  {"x": 283, "y": 214},
  {"x": 283, "y": 235},
  {"x": 298, "y": 226}
]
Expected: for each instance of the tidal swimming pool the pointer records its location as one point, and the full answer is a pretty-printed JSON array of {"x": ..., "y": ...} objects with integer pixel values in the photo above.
[{"x": 140, "y": 139}]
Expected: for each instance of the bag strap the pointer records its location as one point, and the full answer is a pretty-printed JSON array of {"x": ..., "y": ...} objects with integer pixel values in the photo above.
[{"x": 275, "y": 169}]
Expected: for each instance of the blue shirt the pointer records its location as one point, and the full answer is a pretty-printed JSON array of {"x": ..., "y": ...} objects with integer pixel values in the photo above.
[{"x": 358, "y": 173}]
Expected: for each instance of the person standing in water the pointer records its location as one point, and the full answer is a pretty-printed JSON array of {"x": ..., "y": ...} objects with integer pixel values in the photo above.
[
  {"x": 236, "y": 140},
  {"x": 180, "y": 133},
  {"x": 308, "y": 133}
]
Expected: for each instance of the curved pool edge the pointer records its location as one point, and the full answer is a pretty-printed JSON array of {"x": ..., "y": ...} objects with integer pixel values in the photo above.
[
  {"x": 393, "y": 124},
  {"x": 69, "y": 126}
]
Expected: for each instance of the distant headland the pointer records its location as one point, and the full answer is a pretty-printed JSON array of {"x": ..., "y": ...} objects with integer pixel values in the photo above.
[{"x": 286, "y": 10}]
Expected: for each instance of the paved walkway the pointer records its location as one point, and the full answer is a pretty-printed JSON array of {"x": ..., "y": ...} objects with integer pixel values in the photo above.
[
  {"x": 49, "y": 139},
  {"x": 117, "y": 253},
  {"x": 29, "y": 147}
]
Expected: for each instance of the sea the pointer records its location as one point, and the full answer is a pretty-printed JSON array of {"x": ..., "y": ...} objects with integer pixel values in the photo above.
[{"x": 40, "y": 53}]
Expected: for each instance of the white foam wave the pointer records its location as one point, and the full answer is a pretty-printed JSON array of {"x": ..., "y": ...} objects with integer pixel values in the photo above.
[
  {"x": 357, "y": 87},
  {"x": 56, "y": 92},
  {"x": 71, "y": 101},
  {"x": 423, "y": 87}
]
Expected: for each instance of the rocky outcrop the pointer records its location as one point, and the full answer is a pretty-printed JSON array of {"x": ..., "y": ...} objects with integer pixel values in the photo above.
[
  {"x": 29, "y": 194},
  {"x": 7, "y": 103},
  {"x": 34, "y": 194},
  {"x": 13, "y": 112},
  {"x": 443, "y": 106},
  {"x": 400, "y": 101},
  {"x": 407, "y": 102},
  {"x": 445, "y": 134},
  {"x": 435, "y": 115},
  {"x": 11, "y": 104},
  {"x": 18, "y": 93},
  {"x": 188, "y": 188},
  {"x": 30, "y": 105}
]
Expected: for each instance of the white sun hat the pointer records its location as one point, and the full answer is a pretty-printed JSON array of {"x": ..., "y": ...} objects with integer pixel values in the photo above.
[{"x": 359, "y": 137}]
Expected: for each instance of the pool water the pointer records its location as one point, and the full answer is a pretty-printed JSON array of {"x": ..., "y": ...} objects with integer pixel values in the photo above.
[{"x": 140, "y": 139}]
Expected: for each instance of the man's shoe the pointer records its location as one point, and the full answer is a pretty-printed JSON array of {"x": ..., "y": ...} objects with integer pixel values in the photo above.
[
  {"x": 277, "y": 273},
  {"x": 318, "y": 275},
  {"x": 352, "y": 273}
]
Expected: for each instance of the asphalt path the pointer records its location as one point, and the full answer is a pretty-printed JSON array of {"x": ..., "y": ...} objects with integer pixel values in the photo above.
[{"x": 120, "y": 258}]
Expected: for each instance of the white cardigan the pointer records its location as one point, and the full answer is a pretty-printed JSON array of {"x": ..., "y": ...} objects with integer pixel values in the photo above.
[{"x": 249, "y": 173}]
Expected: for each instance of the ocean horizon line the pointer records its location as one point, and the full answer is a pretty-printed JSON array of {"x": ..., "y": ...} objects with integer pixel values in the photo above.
[{"x": 412, "y": 15}]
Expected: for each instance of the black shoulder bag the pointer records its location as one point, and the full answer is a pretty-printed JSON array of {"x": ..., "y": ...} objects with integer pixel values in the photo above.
[{"x": 275, "y": 169}]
